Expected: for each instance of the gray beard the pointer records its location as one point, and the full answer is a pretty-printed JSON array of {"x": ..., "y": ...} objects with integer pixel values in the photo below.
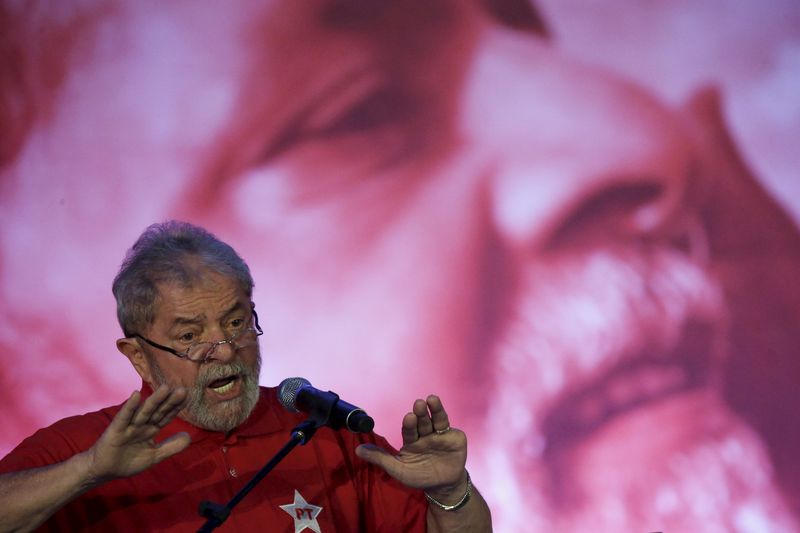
[{"x": 224, "y": 416}]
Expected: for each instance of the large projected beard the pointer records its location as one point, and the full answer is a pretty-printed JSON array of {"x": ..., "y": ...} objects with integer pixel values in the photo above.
[
  {"x": 608, "y": 414},
  {"x": 221, "y": 416}
]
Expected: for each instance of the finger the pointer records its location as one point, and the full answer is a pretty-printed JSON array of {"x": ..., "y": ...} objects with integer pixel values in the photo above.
[
  {"x": 169, "y": 416},
  {"x": 142, "y": 434},
  {"x": 150, "y": 405},
  {"x": 441, "y": 422},
  {"x": 126, "y": 413},
  {"x": 380, "y": 457},
  {"x": 409, "y": 431},
  {"x": 171, "y": 405},
  {"x": 424, "y": 423},
  {"x": 162, "y": 401},
  {"x": 169, "y": 447}
]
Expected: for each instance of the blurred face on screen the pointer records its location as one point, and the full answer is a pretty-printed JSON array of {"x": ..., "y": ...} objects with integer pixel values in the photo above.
[{"x": 432, "y": 201}]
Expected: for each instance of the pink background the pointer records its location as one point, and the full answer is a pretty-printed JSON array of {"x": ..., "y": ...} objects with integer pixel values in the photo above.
[{"x": 422, "y": 203}]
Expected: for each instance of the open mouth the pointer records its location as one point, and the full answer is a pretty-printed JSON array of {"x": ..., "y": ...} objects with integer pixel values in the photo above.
[
  {"x": 223, "y": 385},
  {"x": 627, "y": 385}
]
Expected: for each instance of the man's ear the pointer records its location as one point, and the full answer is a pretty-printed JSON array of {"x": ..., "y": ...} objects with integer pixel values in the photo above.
[{"x": 130, "y": 348}]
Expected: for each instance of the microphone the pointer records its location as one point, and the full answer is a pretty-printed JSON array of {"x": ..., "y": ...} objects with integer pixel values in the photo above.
[{"x": 297, "y": 394}]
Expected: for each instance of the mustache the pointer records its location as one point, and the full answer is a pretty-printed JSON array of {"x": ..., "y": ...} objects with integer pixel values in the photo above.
[
  {"x": 578, "y": 319},
  {"x": 211, "y": 373}
]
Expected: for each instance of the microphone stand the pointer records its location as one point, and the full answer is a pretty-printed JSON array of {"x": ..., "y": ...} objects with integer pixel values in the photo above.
[{"x": 216, "y": 514}]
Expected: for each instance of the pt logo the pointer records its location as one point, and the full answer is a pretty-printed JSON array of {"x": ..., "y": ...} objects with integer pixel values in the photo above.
[{"x": 304, "y": 514}]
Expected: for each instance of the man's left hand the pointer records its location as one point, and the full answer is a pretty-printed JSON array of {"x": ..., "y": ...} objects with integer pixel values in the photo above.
[{"x": 433, "y": 454}]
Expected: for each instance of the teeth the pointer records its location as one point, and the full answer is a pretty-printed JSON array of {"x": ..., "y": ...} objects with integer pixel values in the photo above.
[{"x": 225, "y": 388}]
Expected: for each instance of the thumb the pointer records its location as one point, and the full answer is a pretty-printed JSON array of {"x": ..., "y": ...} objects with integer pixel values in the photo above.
[
  {"x": 175, "y": 444},
  {"x": 380, "y": 457}
]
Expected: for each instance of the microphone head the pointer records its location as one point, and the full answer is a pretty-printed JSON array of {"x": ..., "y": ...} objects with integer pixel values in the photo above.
[{"x": 287, "y": 392}]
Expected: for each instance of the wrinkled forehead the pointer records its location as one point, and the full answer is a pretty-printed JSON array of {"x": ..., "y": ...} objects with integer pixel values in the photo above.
[{"x": 197, "y": 286}]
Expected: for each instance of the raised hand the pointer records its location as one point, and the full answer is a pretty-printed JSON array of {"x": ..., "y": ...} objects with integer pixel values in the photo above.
[
  {"x": 433, "y": 453},
  {"x": 127, "y": 447}
]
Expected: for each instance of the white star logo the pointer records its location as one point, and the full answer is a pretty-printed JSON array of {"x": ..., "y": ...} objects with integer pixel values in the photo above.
[{"x": 304, "y": 514}]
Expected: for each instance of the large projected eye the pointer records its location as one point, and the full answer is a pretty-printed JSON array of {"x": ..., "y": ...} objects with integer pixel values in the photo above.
[
  {"x": 363, "y": 115},
  {"x": 382, "y": 107},
  {"x": 622, "y": 210}
]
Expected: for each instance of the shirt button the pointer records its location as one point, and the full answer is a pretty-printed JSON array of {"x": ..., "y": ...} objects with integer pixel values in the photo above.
[
  {"x": 233, "y": 472},
  {"x": 224, "y": 449}
]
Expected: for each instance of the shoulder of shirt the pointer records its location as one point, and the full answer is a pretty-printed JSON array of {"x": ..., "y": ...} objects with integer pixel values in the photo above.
[
  {"x": 85, "y": 426},
  {"x": 60, "y": 440}
]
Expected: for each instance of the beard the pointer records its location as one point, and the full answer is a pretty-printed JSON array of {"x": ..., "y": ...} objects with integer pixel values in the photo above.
[
  {"x": 608, "y": 412},
  {"x": 221, "y": 416}
]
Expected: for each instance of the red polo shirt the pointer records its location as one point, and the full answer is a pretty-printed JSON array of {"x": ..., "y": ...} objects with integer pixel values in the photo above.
[{"x": 321, "y": 486}]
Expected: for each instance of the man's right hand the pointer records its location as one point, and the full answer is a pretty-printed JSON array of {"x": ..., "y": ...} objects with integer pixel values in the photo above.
[{"x": 127, "y": 446}]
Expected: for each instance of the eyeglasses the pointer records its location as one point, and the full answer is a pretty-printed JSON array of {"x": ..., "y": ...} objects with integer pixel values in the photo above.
[{"x": 200, "y": 352}]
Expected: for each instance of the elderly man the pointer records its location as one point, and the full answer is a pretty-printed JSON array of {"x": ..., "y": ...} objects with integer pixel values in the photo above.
[{"x": 201, "y": 426}]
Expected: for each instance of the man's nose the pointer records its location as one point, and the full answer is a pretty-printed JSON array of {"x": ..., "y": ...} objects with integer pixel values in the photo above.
[{"x": 222, "y": 351}]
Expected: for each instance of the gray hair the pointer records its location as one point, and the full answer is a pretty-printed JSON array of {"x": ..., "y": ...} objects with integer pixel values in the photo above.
[{"x": 170, "y": 252}]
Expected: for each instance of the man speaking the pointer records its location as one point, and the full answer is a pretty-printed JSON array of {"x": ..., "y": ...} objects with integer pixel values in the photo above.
[{"x": 201, "y": 426}]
